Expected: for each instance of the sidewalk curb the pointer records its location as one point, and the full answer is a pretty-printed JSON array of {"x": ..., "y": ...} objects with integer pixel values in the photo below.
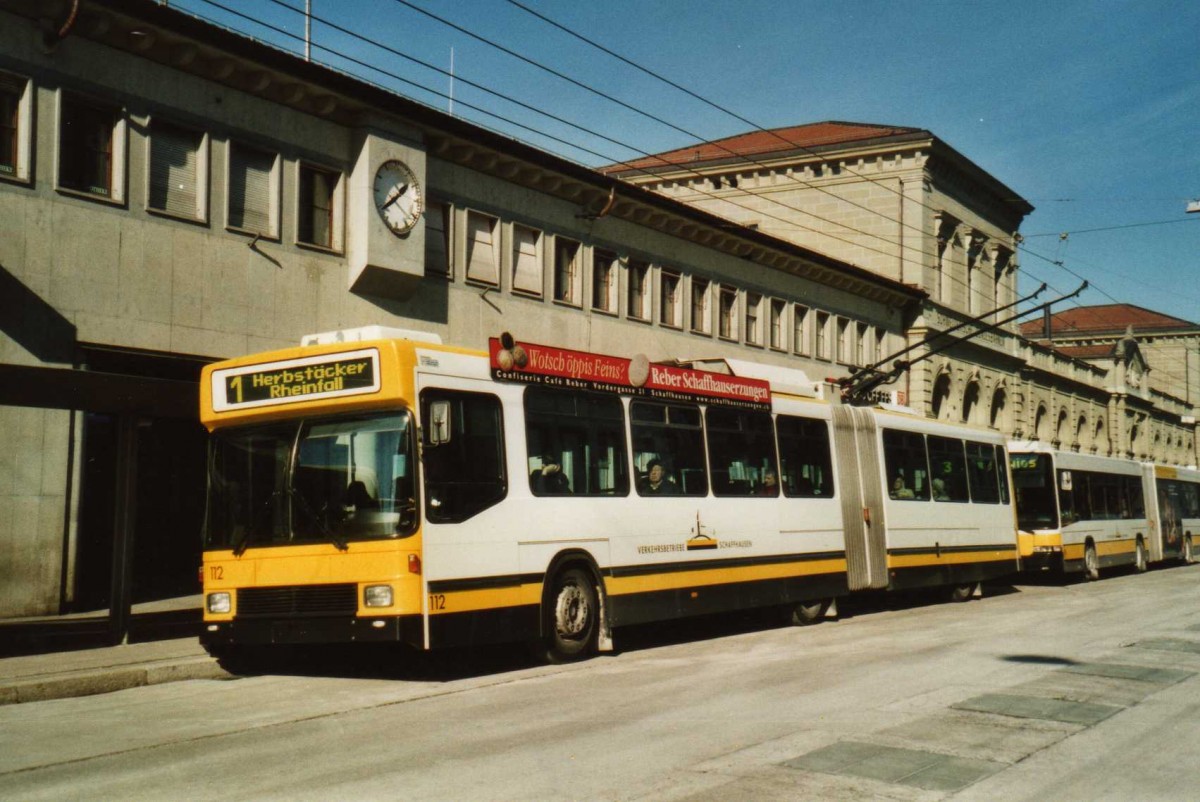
[{"x": 116, "y": 678}]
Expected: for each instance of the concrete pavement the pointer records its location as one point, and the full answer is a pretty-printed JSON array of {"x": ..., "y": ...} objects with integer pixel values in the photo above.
[
  {"x": 56, "y": 657},
  {"x": 58, "y": 675}
]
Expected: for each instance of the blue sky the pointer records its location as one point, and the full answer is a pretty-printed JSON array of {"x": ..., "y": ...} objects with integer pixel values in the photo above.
[{"x": 1089, "y": 110}]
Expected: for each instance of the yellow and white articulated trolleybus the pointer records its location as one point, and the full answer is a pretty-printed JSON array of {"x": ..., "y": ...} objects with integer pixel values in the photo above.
[
  {"x": 376, "y": 485},
  {"x": 1080, "y": 512}
]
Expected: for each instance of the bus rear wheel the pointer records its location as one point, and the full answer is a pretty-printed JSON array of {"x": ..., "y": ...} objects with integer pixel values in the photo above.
[
  {"x": 1139, "y": 558},
  {"x": 1091, "y": 562},
  {"x": 807, "y": 613},
  {"x": 962, "y": 593},
  {"x": 1188, "y": 557},
  {"x": 572, "y": 617}
]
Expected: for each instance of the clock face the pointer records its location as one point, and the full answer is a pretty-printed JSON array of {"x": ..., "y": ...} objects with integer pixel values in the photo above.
[{"x": 398, "y": 196}]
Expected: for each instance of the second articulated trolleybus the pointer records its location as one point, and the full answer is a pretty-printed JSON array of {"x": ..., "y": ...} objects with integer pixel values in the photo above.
[
  {"x": 1079, "y": 512},
  {"x": 380, "y": 486}
]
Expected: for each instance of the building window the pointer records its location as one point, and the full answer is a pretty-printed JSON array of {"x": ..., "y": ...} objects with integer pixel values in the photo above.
[
  {"x": 437, "y": 239},
  {"x": 483, "y": 248},
  {"x": 778, "y": 335},
  {"x": 842, "y": 346},
  {"x": 701, "y": 311},
  {"x": 178, "y": 172},
  {"x": 754, "y": 319},
  {"x": 604, "y": 281},
  {"x": 862, "y": 344},
  {"x": 91, "y": 150},
  {"x": 527, "y": 260},
  {"x": 15, "y": 100},
  {"x": 670, "y": 312},
  {"x": 253, "y": 190},
  {"x": 881, "y": 352},
  {"x": 638, "y": 290},
  {"x": 567, "y": 285},
  {"x": 801, "y": 325},
  {"x": 727, "y": 314},
  {"x": 822, "y": 330},
  {"x": 319, "y": 216}
]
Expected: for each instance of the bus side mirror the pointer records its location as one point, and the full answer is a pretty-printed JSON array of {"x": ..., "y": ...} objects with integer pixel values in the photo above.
[{"x": 439, "y": 423}]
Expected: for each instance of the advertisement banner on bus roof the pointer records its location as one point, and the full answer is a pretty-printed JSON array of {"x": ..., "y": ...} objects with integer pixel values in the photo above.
[{"x": 530, "y": 363}]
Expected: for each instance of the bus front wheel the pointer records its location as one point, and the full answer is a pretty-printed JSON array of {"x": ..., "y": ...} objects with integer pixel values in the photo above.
[
  {"x": 1188, "y": 558},
  {"x": 1139, "y": 558},
  {"x": 572, "y": 617},
  {"x": 1091, "y": 562}
]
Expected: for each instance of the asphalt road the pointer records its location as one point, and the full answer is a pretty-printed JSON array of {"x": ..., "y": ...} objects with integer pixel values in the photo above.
[{"x": 1078, "y": 691}]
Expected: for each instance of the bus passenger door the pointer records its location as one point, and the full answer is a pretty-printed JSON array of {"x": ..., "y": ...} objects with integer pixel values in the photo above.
[{"x": 856, "y": 444}]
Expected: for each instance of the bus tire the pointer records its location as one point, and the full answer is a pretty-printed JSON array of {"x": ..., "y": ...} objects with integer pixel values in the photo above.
[
  {"x": 807, "y": 613},
  {"x": 1091, "y": 562},
  {"x": 962, "y": 593},
  {"x": 1188, "y": 557},
  {"x": 1139, "y": 557},
  {"x": 572, "y": 617}
]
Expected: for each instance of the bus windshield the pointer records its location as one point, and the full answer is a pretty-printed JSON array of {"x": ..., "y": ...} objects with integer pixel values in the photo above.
[
  {"x": 331, "y": 479},
  {"x": 1037, "y": 504}
]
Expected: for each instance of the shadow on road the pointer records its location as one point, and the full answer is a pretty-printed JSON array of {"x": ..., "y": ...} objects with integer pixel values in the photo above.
[{"x": 393, "y": 661}]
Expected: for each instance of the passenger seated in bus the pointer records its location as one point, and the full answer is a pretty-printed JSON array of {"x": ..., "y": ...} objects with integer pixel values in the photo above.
[
  {"x": 938, "y": 485},
  {"x": 901, "y": 490},
  {"x": 770, "y": 484},
  {"x": 656, "y": 482},
  {"x": 549, "y": 479}
]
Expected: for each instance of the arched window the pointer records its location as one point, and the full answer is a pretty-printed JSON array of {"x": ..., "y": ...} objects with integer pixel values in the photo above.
[
  {"x": 999, "y": 411},
  {"x": 1082, "y": 432},
  {"x": 1060, "y": 428},
  {"x": 970, "y": 402},
  {"x": 1100, "y": 444},
  {"x": 1041, "y": 424},
  {"x": 940, "y": 406}
]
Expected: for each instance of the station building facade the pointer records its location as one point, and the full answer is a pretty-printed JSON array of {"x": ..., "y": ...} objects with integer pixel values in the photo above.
[
  {"x": 902, "y": 203},
  {"x": 172, "y": 193}
]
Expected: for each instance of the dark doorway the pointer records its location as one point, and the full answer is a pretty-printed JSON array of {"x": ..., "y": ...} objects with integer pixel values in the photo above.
[{"x": 142, "y": 497}]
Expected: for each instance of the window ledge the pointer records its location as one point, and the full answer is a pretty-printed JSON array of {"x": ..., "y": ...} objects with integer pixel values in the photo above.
[
  {"x": 182, "y": 218},
  {"x": 83, "y": 194},
  {"x": 310, "y": 246},
  {"x": 262, "y": 235},
  {"x": 19, "y": 180}
]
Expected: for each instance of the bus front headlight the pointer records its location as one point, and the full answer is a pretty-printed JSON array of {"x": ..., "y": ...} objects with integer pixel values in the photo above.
[
  {"x": 377, "y": 596},
  {"x": 218, "y": 603}
]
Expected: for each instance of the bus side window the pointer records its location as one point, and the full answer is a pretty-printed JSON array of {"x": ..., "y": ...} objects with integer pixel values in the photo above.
[
  {"x": 804, "y": 455},
  {"x": 575, "y": 443},
  {"x": 948, "y": 469},
  {"x": 741, "y": 451},
  {"x": 672, "y": 435},
  {"x": 465, "y": 475},
  {"x": 1137, "y": 502},
  {"x": 907, "y": 465}
]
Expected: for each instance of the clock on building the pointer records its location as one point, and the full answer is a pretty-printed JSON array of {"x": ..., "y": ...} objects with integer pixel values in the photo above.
[{"x": 398, "y": 196}]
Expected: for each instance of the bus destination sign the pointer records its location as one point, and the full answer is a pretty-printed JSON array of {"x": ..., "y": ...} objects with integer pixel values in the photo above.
[
  {"x": 294, "y": 380},
  {"x": 559, "y": 367}
]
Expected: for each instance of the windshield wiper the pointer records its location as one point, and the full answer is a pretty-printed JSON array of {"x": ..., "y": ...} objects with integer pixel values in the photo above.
[{"x": 337, "y": 540}]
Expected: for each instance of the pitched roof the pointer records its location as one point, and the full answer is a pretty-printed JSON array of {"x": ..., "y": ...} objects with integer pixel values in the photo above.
[
  {"x": 1102, "y": 351},
  {"x": 1105, "y": 319},
  {"x": 764, "y": 142}
]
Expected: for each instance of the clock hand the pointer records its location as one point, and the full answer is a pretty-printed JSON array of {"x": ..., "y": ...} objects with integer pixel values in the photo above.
[{"x": 399, "y": 194}]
